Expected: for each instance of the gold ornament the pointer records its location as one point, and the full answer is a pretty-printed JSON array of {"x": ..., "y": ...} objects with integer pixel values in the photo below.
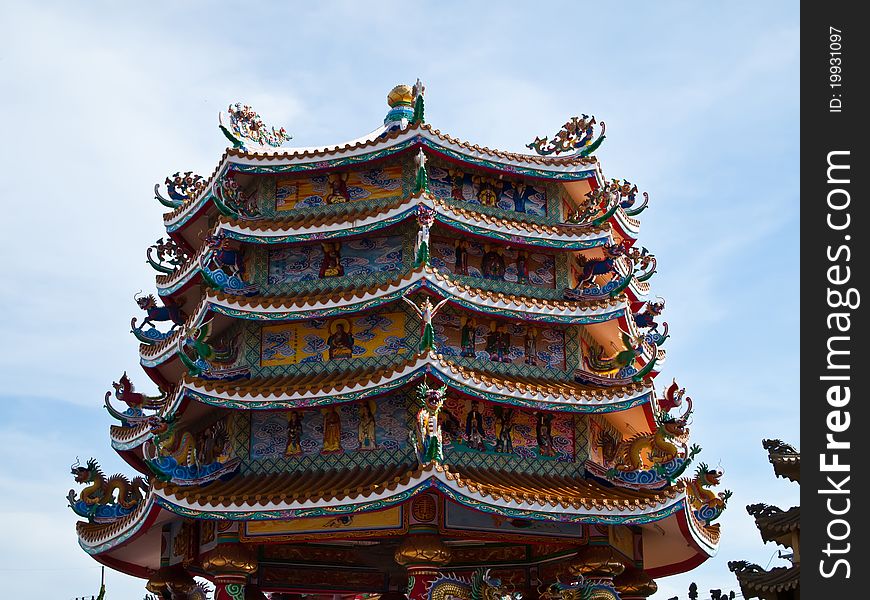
[
  {"x": 597, "y": 561},
  {"x": 423, "y": 550},
  {"x": 401, "y": 95},
  {"x": 230, "y": 559},
  {"x": 634, "y": 583},
  {"x": 175, "y": 579}
]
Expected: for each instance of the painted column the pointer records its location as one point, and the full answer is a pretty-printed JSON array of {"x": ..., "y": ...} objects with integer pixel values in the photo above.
[
  {"x": 634, "y": 584},
  {"x": 230, "y": 566},
  {"x": 422, "y": 553}
]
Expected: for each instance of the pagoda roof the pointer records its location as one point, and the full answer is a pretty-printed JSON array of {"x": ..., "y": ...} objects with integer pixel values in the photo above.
[
  {"x": 755, "y": 582},
  {"x": 785, "y": 458},
  {"x": 316, "y": 493},
  {"x": 313, "y": 226},
  {"x": 331, "y": 387},
  {"x": 577, "y": 498},
  {"x": 354, "y": 298},
  {"x": 775, "y": 524},
  {"x": 381, "y": 144}
]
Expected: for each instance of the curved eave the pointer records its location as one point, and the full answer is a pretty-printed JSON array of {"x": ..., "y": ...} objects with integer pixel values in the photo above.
[
  {"x": 338, "y": 303},
  {"x": 565, "y": 396},
  {"x": 98, "y": 538},
  {"x": 275, "y": 161},
  {"x": 440, "y": 478},
  {"x": 563, "y": 236},
  {"x": 699, "y": 543}
]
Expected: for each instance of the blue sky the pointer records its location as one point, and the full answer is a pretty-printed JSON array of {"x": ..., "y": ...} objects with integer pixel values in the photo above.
[{"x": 101, "y": 101}]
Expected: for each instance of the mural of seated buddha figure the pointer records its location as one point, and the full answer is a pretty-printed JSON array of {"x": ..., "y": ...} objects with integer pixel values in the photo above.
[{"x": 340, "y": 341}]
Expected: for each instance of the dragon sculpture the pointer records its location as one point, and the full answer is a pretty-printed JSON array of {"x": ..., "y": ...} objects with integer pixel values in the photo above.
[
  {"x": 708, "y": 505},
  {"x": 581, "y": 589},
  {"x": 168, "y": 443},
  {"x": 137, "y": 403},
  {"x": 97, "y": 501},
  {"x": 576, "y": 135},
  {"x": 199, "y": 592},
  {"x": 180, "y": 188},
  {"x": 657, "y": 447},
  {"x": 481, "y": 586},
  {"x": 184, "y": 458},
  {"x": 427, "y": 434}
]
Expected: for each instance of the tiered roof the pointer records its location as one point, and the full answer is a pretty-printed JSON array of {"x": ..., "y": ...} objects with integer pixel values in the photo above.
[
  {"x": 775, "y": 525},
  {"x": 620, "y": 393}
]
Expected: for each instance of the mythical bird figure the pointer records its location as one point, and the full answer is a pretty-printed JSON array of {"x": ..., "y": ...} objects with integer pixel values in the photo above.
[
  {"x": 621, "y": 358},
  {"x": 673, "y": 397},
  {"x": 101, "y": 492},
  {"x": 207, "y": 354},
  {"x": 576, "y": 134},
  {"x": 657, "y": 447},
  {"x": 644, "y": 263},
  {"x": 136, "y": 402},
  {"x": 246, "y": 124},
  {"x": 167, "y": 256},
  {"x": 708, "y": 505},
  {"x": 180, "y": 188}
]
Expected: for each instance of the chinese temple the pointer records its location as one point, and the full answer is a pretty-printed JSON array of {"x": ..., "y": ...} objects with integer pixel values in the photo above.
[
  {"x": 779, "y": 526},
  {"x": 401, "y": 366}
]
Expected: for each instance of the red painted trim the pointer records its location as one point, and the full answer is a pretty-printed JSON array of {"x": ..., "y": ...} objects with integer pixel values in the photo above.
[
  {"x": 690, "y": 563},
  {"x": 124, "y": 566}
]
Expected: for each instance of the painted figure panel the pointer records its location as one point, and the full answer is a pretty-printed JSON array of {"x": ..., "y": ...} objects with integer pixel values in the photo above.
[
  {"x": 471, "y": 336},
  {"x": 333, "y": 259},
  {"x": 485, "y": 428},
  {"x": 514, "y": 196},
  {"x": 322, "y": 340},
  {"x": 373, "y": 425},
  {"x": 491, "y": 261},
  {"x": 337, "y": 188}
]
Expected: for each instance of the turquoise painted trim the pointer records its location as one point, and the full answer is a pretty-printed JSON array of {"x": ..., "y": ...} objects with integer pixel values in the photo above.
[
  {"x": 430, "y": 483},
  {"x": 530, "y": 240},
  {"x": 114, "y": 542},
  {"x": 318, "y": 236},
  {"x": 529, "y": 316},
  {"x": 579, "y": 175},
  {"x": 192, "y": 210},
  {"x": 383, "y": 388}
]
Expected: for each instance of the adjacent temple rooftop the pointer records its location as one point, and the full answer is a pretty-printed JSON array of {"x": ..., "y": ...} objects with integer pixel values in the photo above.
[{"x": 406, "y": 365}]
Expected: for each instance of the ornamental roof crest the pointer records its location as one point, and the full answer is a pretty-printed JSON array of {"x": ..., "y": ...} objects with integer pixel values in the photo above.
[{"x": 246, "y": 124}]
